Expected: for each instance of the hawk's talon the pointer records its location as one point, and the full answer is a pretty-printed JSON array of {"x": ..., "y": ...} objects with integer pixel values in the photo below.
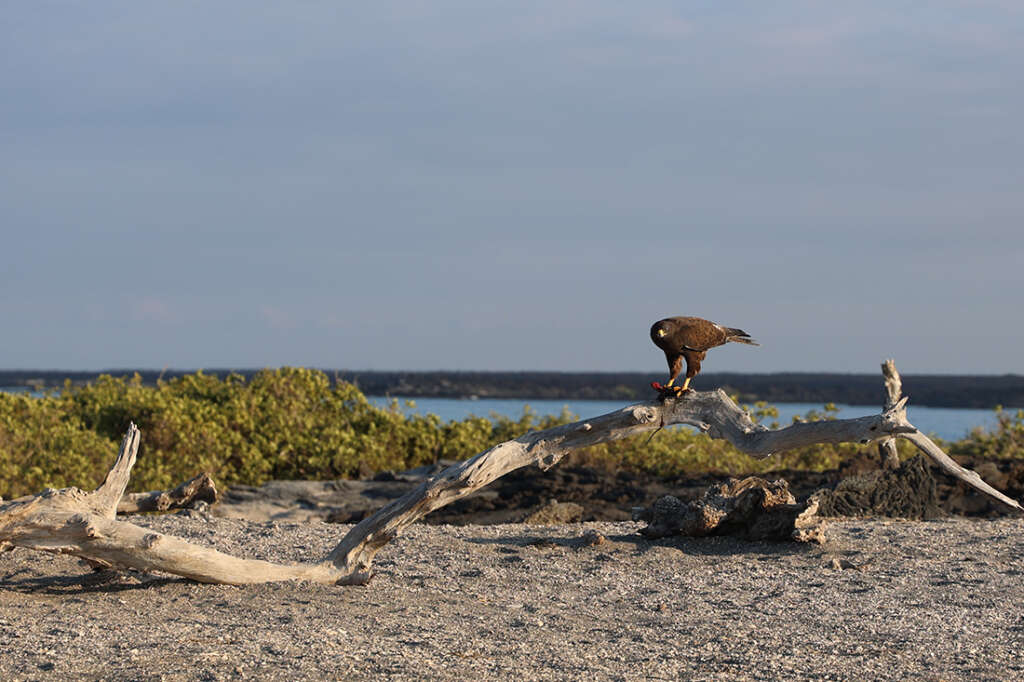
[{"x": 666, "y": 392}]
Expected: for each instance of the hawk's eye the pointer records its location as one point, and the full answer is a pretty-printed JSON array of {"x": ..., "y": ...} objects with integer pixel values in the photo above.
[{"x": 661, "y": 332}]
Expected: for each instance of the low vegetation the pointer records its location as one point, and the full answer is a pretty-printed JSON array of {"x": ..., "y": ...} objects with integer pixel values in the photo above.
[{"x": 297, "y": 424}]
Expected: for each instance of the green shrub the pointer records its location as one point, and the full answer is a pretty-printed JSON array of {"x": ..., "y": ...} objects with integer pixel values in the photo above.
[{"x": 42, "y": 445}]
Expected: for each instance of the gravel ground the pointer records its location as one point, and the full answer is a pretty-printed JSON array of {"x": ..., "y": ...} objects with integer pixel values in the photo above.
[{"x": 882, "y": 600}]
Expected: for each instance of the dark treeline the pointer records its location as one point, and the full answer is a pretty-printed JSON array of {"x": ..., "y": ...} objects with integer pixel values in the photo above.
[{"x": 854, "y": 389}]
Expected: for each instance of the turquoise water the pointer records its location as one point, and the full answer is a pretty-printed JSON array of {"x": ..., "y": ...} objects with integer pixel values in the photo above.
[{"x": 945, "y": 422}]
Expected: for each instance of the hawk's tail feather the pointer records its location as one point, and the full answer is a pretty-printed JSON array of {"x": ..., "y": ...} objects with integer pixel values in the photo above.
[{"x": 739, "y": 336}]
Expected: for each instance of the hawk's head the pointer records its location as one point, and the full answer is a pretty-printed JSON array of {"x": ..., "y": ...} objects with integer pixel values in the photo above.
[{"x": 661, "y": 329}]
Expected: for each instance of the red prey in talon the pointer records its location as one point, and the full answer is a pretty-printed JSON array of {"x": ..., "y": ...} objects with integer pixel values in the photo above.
[{"x": 665, "y": 392}]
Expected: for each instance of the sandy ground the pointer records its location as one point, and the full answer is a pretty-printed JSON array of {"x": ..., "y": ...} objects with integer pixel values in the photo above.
[{"x": 882, "y": 600}]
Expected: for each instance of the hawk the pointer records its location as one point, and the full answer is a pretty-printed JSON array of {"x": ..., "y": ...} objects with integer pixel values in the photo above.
[{"x": 690, "y": 338}]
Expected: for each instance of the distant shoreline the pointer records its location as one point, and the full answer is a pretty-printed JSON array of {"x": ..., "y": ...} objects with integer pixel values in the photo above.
[{"x": 934, "y": 390}]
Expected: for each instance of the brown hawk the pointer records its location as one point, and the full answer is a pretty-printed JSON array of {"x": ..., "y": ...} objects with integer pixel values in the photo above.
[{"x": 690, "y": 338}]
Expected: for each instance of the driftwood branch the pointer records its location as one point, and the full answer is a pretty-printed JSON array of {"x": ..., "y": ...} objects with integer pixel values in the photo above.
[
  {"x": 200, "y": 488},
  {"x": 74, "y": 522},
  {"x": 712, "y": 412},
  {"x": 71, "y": 521},
  {"x": 893, "y": 393},
  {"x": 112, "y": 489}
]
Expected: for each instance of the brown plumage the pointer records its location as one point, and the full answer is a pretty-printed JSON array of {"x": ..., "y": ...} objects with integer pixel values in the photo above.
[{"x": 691, "y": 338}]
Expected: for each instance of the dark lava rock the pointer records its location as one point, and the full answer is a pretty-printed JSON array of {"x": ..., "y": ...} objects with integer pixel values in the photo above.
[{"x": 908, "y": 492}]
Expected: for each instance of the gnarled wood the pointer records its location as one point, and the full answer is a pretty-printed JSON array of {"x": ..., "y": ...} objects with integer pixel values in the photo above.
[
  {"x": 751, "y": 508},
  {"x": 72, "y": 521},
  {"x": 112, "y": 489},
  {"x": 893, "y": 393},
  {"x": 200, "y": 488}
]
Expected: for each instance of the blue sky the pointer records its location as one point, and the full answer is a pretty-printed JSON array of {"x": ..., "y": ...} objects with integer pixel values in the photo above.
[{"x": 511, "y": 185}]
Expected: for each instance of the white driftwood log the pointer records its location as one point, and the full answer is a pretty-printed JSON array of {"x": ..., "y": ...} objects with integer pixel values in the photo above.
[
  {"x": 83, "y": 524},
  {"x": 71, "y": 521}
]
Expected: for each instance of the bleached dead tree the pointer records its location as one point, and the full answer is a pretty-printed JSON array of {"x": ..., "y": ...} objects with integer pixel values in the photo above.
[{"x": 83, "y": 524}]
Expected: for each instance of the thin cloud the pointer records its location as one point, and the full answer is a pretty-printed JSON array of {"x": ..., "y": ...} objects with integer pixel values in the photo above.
[
  {"x": 151, "y": 309},
  {"x": 277, "y": 317}
]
